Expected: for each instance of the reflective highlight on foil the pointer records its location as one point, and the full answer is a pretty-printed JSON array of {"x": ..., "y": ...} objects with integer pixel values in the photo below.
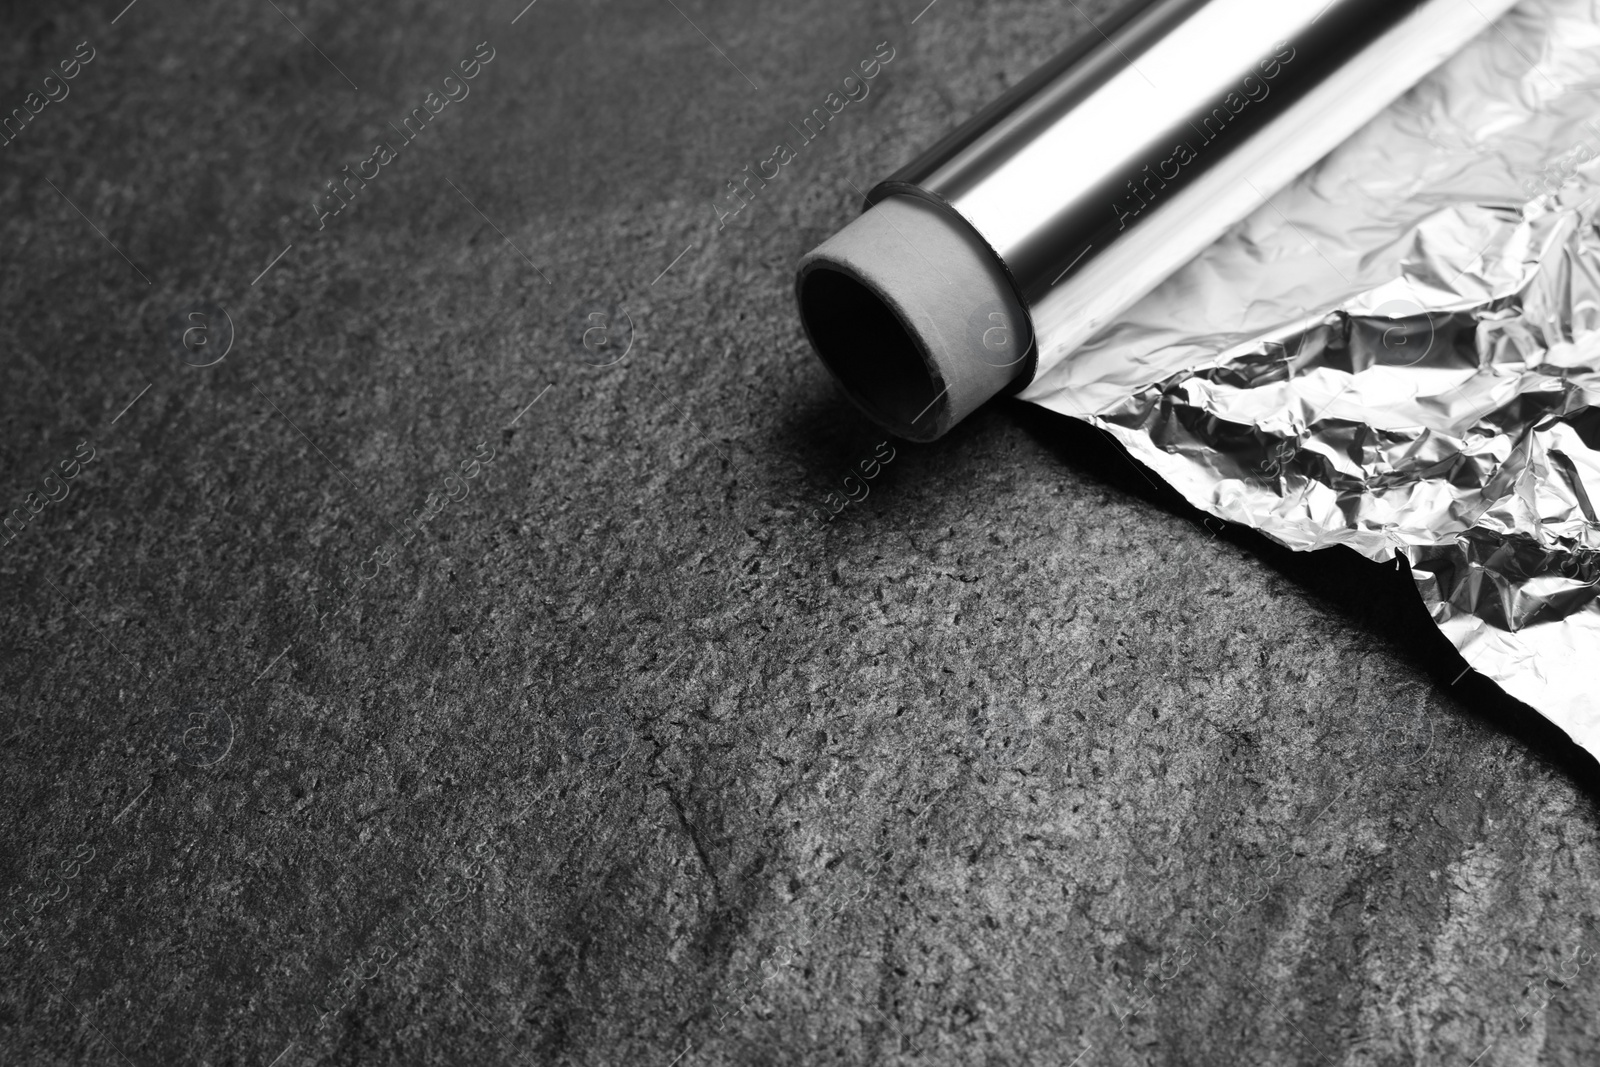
[{"x": 1400, "y": 353}]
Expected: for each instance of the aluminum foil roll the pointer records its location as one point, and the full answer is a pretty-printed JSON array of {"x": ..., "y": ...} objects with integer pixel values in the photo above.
[
  {"x": 1397, "y": 349},
  {"x": 1400, "y": 353},
  {"x": 1005, "y": 247}
]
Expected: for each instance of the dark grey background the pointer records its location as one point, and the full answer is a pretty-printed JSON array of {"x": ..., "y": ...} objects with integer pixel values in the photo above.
[{"x": 628, "y": 758}]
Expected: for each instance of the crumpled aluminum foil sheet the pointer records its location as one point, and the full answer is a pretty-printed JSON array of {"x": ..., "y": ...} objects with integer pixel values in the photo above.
[{"x": 1401, "y": 353}]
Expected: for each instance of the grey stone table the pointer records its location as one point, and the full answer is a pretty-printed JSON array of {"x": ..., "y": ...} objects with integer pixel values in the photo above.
[{"x": 399, "y": 679}]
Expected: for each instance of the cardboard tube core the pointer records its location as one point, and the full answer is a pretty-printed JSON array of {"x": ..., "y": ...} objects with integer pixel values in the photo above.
[{"x": 914, "y": 316}]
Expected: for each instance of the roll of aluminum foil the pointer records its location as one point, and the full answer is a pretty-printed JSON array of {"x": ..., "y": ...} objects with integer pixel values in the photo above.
[
  {"x": 1106, "y": 170},
  {"x": 1400, "y": 353},
  {"x": 1014, "y": 240},
  {"x": 1396, "y": 349}
]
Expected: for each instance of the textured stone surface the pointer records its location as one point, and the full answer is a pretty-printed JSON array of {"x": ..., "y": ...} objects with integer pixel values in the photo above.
[{"x": 627, "y": 758}]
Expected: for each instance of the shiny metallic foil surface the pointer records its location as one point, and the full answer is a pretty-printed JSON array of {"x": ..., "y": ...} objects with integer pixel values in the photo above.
[{"x": 1400, "y": 353}]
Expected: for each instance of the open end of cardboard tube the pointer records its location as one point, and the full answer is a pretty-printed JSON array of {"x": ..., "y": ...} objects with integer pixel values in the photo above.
[{"x": 914, "y": 315}]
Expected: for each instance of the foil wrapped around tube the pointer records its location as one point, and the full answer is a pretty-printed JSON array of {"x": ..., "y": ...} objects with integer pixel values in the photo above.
[
  {"x": 1397, "y": 351},
  {"x": 1094, "y": 179},
  {"x": 1109, "y": 168}
]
